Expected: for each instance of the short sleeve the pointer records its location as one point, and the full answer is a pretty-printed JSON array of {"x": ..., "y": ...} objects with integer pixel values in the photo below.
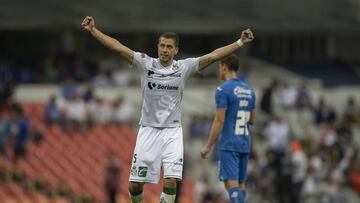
[
  {"x": 140, "y": 60},
  {"x": 191, "y": 65},
  {"x": 221, "y": 99},
  {"x": 253, "y": 100}
]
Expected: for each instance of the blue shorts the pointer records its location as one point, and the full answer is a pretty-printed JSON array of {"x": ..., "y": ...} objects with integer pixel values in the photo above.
[{"x": 233, "y": 165}]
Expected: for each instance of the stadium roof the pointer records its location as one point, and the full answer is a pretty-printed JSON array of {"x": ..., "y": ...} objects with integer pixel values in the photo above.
[{"x": 190, "y": 16}]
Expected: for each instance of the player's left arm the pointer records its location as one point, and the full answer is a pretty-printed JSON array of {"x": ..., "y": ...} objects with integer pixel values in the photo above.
[
  {"x": 216, "y": 127},
  {"x": 205, "y": 60}
]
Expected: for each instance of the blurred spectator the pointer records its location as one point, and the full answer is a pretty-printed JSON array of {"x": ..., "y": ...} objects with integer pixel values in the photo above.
[
  {"x": 266, "y": 103},
  {"x": 79, "y": 69},
  {"x": 267, "y": 175},
  {"x": 199, "y": 126},
  {"x": 100, "y": 111},
  {"x": 112, "y": 178},
  {"x": 6, "y": 92},
  {"x": 277, "y": 134},
  {"x": 25, "y": 75},
  {"x": 310, "y": 192},
  {"x": 7, "y": 74},
  {"x": 5, "y": 127},
  {"x": 52, "y": 112},
  {"x": 63, "y": 188},
  {"x": 51, "y": 72},
  {"x": 345, "y": 134},
  {"x": 123, "y": 111},
  {"x": 121, "y": 76},
  {"x": 303, "y": 99},
  {"x": 69, "y": 88},
  {"x": 354, "y": 176},
  {"x": 102, "y": 78},
  {"x": 316, "y": 165},
  {"x": 287, "y": 96},
  {"x": 20, "y": 129},
  {"x": 351, "y": 111},
  {"x": 300, "y": 164},
  {"x": 88, "y": 94},
  {"x": 328, "y": 136},
  {"x": 37, "y": 136},
  {"x": 202, "y": 189},
  {"x": 332, "y": 191},
  {"x": 324, "y": 113},
  {"x": 283, "y": 180},
  {"x": 76, "y": 115}
]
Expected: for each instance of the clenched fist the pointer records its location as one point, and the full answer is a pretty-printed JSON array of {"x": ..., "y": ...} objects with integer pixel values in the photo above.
[
  {"x": 247, "y": 36},
  {"x": 88, "y": 23},
  {"x": 205, "y": 151}
]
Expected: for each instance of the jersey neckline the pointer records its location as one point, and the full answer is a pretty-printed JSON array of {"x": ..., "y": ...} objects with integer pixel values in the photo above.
[{"x": 166, "y": 67}]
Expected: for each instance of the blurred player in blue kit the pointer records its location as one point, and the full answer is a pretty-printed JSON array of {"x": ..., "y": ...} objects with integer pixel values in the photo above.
[
  {"x": 159, "y": 142},
  {"x": 235, "y": 112}
]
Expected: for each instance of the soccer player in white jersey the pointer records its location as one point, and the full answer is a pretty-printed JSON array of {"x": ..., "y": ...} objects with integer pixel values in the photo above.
[{"x": 160, "y": 139}]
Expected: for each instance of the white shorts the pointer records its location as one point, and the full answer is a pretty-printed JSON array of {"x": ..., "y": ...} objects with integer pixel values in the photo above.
[{"x": 156, "y": 147}]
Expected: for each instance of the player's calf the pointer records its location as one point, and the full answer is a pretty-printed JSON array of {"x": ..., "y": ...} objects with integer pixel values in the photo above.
[
  {"x": 242, "y": 187},
  {"x": 236, "y": 191},
  {"x": 136, "y": 192},
  {"x": 169, "y": 192}
]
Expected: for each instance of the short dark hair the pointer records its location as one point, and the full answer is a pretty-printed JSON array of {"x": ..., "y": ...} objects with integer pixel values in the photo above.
[
  {"x": 171, "y": 35},
  {"x": 232, "y": 62}
]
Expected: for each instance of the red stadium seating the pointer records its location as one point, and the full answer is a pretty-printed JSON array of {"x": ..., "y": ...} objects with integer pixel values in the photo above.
[
  {"x": 13, "y": 193},
  {"x": 80, "y": 160}
]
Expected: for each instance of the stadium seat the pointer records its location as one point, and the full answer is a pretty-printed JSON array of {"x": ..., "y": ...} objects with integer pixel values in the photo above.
[{"x": 79, "y": 160}]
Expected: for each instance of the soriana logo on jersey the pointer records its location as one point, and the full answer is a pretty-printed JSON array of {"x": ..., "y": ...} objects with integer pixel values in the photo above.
[{"x": 154, "y": 86}]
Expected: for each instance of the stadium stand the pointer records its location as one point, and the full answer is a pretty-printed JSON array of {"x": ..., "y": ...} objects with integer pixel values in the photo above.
[
  {"x": 70, "y": 159},
  {"x": 310, "y": 43}
]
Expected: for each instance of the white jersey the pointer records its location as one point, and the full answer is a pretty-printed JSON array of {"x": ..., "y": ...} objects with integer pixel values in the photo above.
[{"x": 162, "y": 89}]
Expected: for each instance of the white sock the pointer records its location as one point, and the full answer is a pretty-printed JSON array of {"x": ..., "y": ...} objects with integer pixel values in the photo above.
[
  {"x": 165, "y": 198},
  {"x": 136, "y": 199}
]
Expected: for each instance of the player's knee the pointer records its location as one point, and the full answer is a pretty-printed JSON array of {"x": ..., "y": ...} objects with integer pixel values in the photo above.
[
  {"x": 242, "y": 186},
  {"x": 231, "y": 184},
  {"x": 135, "y": 186},
  {"x": 170, "y": 182}
]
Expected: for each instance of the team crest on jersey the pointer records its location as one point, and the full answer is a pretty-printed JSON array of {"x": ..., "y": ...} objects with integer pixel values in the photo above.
[
  {"x": 175, "y": 67},
  {"x": 142, "y": 55}
]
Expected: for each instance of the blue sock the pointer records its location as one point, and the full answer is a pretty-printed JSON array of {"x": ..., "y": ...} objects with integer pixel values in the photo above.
[
  {"x": 244, "y": 194},
  {"x": 236, "y": 195}
]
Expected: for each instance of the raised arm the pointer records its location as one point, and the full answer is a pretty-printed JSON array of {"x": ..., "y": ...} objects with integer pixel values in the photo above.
[
  {"x": 109, "y": 42},
  {"x": 246, "y": 37}
]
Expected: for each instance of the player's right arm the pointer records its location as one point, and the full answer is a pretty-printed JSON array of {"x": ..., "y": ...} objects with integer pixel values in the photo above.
[
  {"x": 109, "y": 42},
  {"x": 216, "y": 127},
  {"x": 252, "y": 116}
]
